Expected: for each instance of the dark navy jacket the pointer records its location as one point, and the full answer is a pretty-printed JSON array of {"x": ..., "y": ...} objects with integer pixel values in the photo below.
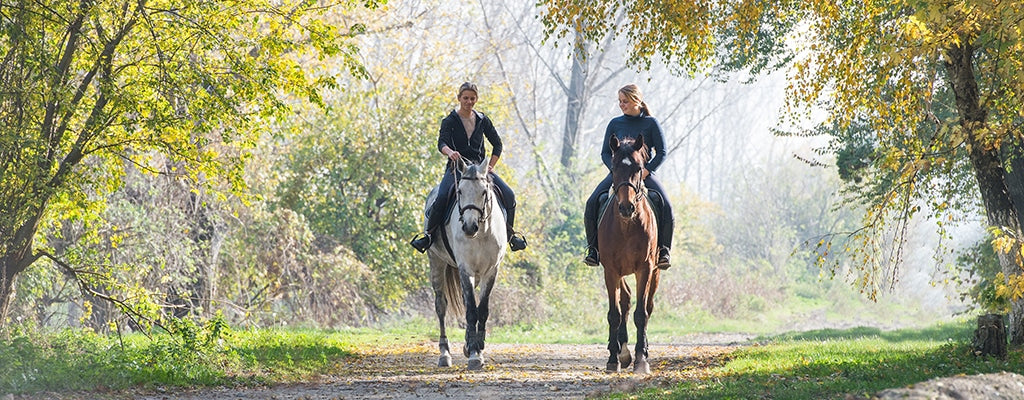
[{"x": 626, "y": 126}]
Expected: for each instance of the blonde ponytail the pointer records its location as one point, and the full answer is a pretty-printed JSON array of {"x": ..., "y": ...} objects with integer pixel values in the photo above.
[{"x": 632, "y": 92}]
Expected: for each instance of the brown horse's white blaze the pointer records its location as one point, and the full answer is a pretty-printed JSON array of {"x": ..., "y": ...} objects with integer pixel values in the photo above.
[
  {"x": 627, "y": 237},
  {"x": 476, "y": 233}
]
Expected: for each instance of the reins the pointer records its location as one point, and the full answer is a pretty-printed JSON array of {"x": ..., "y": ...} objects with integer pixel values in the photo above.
[{"x": 636, "y": 188}]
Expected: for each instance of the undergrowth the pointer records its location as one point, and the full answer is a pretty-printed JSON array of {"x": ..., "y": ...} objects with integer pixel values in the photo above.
[{"x": 207, "y": 355}]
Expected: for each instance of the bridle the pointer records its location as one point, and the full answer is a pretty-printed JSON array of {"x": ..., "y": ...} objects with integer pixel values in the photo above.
[
  {"x": 485, "y": 213},
  {"x": 639, "y": 189}
]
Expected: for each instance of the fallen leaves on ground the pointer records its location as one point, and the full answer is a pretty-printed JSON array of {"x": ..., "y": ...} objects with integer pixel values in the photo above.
[{"x": 522, "y": 370}]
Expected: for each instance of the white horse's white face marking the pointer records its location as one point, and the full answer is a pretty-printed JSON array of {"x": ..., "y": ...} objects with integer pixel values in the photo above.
[{"x": 626, "y": 161}]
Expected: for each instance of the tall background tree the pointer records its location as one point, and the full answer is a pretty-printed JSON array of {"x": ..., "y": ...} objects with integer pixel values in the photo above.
[
  {"x": 303, "y": 212},
  {"x": 176, "y": 88}
]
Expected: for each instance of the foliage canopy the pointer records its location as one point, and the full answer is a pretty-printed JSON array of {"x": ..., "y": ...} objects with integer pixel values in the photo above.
[
  {"x": 176, "y": 88},
  {"x": 915, "y": 93}
]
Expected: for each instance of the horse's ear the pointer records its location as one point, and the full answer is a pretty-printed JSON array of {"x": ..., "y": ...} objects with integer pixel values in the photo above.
[
  {"x": 483, "y": 165},
  {"x": 614, "y": 144},
  {"x": 639, "y": 142},
  {"x": 460, "y": 165}
]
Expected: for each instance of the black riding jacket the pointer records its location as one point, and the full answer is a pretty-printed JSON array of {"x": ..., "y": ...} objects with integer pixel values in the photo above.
[{"x": 453, "y": 135}]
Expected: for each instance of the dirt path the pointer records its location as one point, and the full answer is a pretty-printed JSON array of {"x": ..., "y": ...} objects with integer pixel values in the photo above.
[{"x": 512, "y": 372}]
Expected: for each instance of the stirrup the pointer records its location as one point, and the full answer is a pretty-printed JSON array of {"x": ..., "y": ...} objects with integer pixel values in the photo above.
[{"x": 517, "y": 241}]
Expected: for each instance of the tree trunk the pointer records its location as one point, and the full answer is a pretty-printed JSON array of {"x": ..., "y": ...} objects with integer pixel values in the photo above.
[
  {"x": 6, "y": 294},
  {"x": 10, "y": 266},
  {"x": 576, "y": 94},
  {"x": 1013, "y": 163},
  {"x": 988, "y": 168},
  {"x": 990, "y": 337}
]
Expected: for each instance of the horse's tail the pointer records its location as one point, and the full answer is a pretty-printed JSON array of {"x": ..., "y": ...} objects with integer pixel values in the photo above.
[{"x": 453, "y": 292}]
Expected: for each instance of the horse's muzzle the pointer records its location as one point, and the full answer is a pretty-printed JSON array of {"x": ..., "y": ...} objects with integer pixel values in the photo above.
[
  {"x": 471, "y": 229},
  {"x": 626, "y": 210}
]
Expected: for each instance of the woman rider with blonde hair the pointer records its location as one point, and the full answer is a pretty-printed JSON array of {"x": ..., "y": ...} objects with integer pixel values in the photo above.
[{"x": 636, "y": 120}]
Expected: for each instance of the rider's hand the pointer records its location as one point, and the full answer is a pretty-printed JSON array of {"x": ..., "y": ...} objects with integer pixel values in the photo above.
[{"x": 454, "y": 155}]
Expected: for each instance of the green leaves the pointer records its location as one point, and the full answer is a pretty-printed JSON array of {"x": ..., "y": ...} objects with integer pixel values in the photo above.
[
  {"x": 694, "y": 35},
  {"x": 184, "y": 89},
  {"x": 906, "y": 89}
]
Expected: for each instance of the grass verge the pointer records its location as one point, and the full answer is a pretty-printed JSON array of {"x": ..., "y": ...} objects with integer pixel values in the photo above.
[
  {"x": 818, "y": 364},
  {"x": 77, "y": 360},
  {"x": 829, "y": 364}
]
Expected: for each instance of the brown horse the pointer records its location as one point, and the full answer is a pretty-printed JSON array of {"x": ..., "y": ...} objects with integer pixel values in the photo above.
[{"x": 628, "y": 236}]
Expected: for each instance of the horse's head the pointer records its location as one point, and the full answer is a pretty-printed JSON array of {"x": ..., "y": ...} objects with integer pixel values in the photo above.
[
  {"x": 628, "y": 173},
  {"x": 474, "y": 196}
]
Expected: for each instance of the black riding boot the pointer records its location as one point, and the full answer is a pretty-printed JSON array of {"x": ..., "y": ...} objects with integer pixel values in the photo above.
[
  {"x": 666, "y": 226},
  {"x": 435, "y": 217},
  {"x": 590, "y": 227},
  {"x": 663, "y": 257},
  {"x": 515, "y": 240},
  {"x": 422, "y": 241}
]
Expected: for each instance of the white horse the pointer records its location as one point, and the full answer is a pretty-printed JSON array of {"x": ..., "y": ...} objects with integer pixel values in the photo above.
[{"x": 465, "y": 256}]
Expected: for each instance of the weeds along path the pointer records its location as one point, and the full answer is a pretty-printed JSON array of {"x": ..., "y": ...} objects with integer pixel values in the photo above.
[{"x": 513, "y": 371}]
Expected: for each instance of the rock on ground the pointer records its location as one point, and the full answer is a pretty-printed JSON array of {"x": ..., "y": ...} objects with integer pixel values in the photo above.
[{"x": 1001, "y": 385}]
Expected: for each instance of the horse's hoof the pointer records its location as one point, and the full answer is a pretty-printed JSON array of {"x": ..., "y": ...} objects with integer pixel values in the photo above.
[
  {"x": 476, "y": 363},
  {"x": 444, "y": 361},
  {"x": 625, "y": 358},
  {"x": 641, "y": 367},
  {"x": 613, "y": 367}
]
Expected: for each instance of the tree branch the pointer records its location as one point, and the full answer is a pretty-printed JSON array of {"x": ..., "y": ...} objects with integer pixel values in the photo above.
[{"x": 134, "y": 315}]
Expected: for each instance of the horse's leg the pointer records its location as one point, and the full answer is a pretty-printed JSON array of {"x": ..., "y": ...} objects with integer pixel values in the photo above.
[
  {"x": 640, "y": 318},
  {"x": 476, "y": 361},
  {"x": 611, "y": 283},
  {"x": 483, "y": 308},
  {"x": 437, "y": 280},
  {"x": 655, "y": 280},
  {"x": 625, "y": 302},
  {"x": 470, "y": 349}
]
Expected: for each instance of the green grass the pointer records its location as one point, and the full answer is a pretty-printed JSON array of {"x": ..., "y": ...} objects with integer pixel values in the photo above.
[
  {"x": 828, "y": 364},
  {"x": 818, "y": 364},
  {"x": 84, "y": 361}
]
